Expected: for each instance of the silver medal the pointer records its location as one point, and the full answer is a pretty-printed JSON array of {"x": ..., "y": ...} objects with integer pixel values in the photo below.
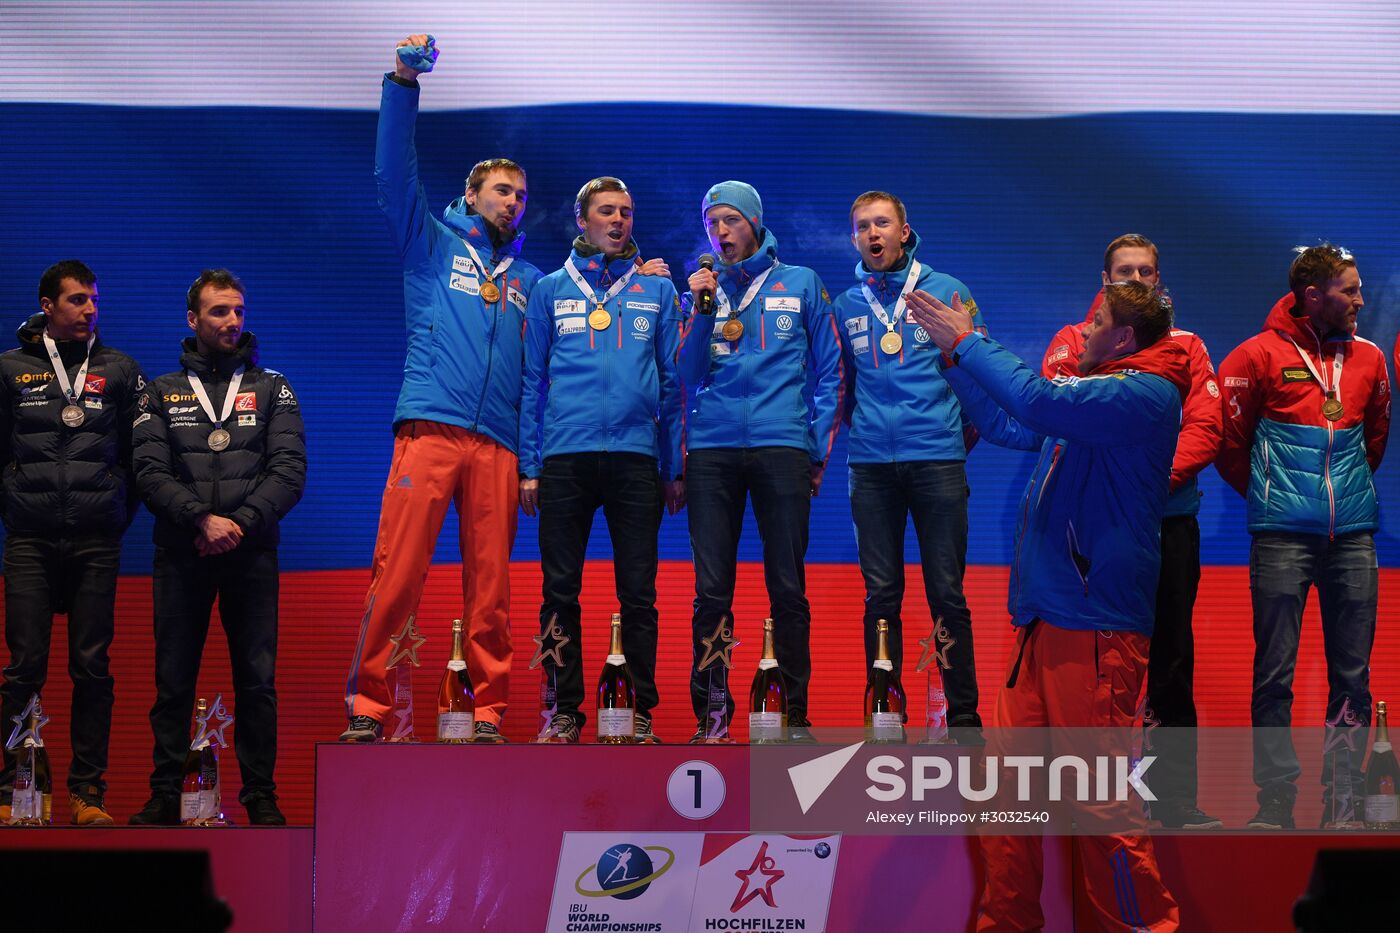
[
  {"x": 218, "y": 439},
  {"x": 73, "y": 416}
]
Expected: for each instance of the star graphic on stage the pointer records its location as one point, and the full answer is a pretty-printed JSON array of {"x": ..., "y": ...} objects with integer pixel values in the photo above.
[
  {"x": 409, "y": 633},
  {"x": 215, "y": 733},
  {"x": 936, "y": 647},
  {"x": 554, "y": 638},
  {"x": 765, "y": 866},
  {"x": 22, "y": 732},
  {"x": 719, "y": 644}
]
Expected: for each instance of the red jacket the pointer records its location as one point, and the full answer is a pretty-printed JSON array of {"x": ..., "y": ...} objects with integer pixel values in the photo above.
[
  {"x": 1299, "y": 471},
  {"x": 1200, "y": 412}
]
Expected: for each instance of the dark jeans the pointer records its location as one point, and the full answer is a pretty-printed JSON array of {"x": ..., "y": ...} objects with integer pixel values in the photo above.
[
  {"x": 718, "y": 481},
  {"x": 627, "y": 487},
  {"x": 245, "y": 581},
  {"x": 935, "y": 492},
  {"x": 1282, "y": 567},
  {"x": 1171, "y": 665},
  {"x": 78, "y": 576}
]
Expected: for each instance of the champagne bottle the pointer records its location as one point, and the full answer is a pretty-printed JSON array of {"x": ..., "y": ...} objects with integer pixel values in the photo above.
[
  {"x": 32, "y": 800},
  {"x": 200, "y": 802},
  {"x": 1382, "y": 779},
  {"x": 768, "y": 696},
  {"x": 616, "y": 697},
  {"x": 884, "y": 697},
  {"x": 456, "y": 701}
]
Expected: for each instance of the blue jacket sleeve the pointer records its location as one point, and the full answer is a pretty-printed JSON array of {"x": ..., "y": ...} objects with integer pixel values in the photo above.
[
  {"x": 986, "y": 417},
  {"x": 401, "y": 194},
  {"x": 694, "y": 361},
  {"x": 828, "y": 400},
  {"x": 534, "y": 387},
  {"x": 1099, "y": 411},
  {"x": 672, "y": 401}
]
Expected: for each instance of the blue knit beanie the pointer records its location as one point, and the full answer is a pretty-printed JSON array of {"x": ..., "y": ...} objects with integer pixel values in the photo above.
[{"x": 740, "y": 196}]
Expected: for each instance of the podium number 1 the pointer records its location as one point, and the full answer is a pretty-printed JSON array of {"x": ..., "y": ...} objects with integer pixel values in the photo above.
[{"x": 695, "y": 790}]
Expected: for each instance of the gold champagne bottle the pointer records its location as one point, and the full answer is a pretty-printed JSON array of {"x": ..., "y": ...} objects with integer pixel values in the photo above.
[
  {"x": 768, "y": 696},
  {"x": 1382, "y": 779},
  {"x": 617, "y": 703},
  {"x": 32, "y": 802},
  {"x": 884, "y": 697},
  {"x": 456, "y": 707},
  {"x": 200, "y": 801}
]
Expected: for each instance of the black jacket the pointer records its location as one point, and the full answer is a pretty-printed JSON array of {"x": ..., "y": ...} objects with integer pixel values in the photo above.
[
  {"x": 255, "y": 481},
  {"x": 60, "y": 481}
]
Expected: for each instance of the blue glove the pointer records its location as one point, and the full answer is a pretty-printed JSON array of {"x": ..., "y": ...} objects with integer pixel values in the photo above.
[{"x": 419, "y": 57}]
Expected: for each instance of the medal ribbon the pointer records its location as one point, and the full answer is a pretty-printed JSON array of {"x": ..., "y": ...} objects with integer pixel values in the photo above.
[
  {"x": 722, "y": 299},
  {"x": 229, "y": 399},
  {"x": 1335, "y": 389},
  {"x": 481, "y": 266},
  {"x": 875, "y": 306},
  {"x": 61, "y": 373},
  {"x": 588, "y": 292}
]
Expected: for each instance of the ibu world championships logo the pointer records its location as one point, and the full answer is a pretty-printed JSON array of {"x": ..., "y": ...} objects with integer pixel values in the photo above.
[{"x": 625, "y": 871}]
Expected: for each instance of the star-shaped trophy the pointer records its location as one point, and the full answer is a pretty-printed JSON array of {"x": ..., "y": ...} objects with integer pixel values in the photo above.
[
  {"x": 550, "y": 644},
  {"x": 22, "y": 730},
  {"x": 212, "y": 724},
  {"x": 936, "y": 647},
  {"x": 718, "y": 659},
  {"x": 409, "y": 634},
  {"x": 719, "y": 645}
]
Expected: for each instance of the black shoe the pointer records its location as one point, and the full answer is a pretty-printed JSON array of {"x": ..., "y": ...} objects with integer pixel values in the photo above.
[
  {"x": 563, "y": 729},
  {"x": 799, "y": 731},
  {"x": 1274, "y": 813},
  {"x": 160, "y": 810},
  {"x": 641, "y": 731},
  {"x": 702, "y": 735},
  {"x": 262, "y": 810},
  {"x": 1184, "y": 817},
  {"x": 362, "y": 729},
  {"x": 487, "y": 733}
]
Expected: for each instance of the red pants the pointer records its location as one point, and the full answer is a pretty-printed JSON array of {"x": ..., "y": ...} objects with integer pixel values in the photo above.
[
  {"x": 435, "y": 464},
  {"x": 1089, "y": 679}
]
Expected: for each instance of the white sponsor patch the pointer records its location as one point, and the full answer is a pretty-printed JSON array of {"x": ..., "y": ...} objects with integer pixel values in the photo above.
[
  {"x": 516, "y": 298},
  {"x": 909, "y": 317},
  {"x": 1236, "y": 382},
  {"x": 857, "y": 325},
  {"x": 643, "y": 306},
  {"x": 570, "y": 325},
  {"x": 719, "y": 349},
  {"x": 717, "y": 330},
  {"x": 463, "y": 284},
  {"x": 140, "y": 419},
  {"x": 1212, "y": 388},
  {"x": 462, "y": 264},
  {"x": 564, "y": 306},
  {"x": 860, "y": 345},
  {"x": 788, "y": 303},
  {"x": 1059, "y": 353},
  {"x": 93, "y": 403},
  {"x": 245, "y": 420}
]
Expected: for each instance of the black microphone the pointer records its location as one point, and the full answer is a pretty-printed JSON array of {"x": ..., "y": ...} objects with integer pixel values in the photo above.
[{"x": 706, "y": 299}]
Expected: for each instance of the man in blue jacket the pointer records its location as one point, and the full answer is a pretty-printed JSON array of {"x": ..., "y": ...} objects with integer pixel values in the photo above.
[
  {"x": 458, "y": 412},
  {"x": 1084, "y": 581},
  {"x": 757, "y": 327},
  {"x": 907, "y": 448},
  {"x": 600, "y": 427}
]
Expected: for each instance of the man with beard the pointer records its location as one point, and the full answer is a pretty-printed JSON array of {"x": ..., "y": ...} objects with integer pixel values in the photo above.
[
  {"x": 458, "y": 414},
  {"x": 599, "y": 417},
  {"x": 907, "y": 449},
  {"x": 1307, "y": 412},
  {"x": 1171, "y": 704},
  {"x": 759, "y": 330},
  {"x": 67, "y": 401},
  {"x": 220, "y": 460}
]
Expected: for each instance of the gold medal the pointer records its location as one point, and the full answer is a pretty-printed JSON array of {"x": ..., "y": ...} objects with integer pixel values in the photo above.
[
  {"x": 732, "y": 330},
  {"x": 600, "y": 319},
  {"x": 490, "y": 293},
  {"x": 1332, "y": 409},
  {"x": 892, "y": 343}
]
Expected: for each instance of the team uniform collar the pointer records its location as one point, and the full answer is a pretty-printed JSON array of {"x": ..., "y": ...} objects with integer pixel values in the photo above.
[
  {"x": 473, "y": 229},
  {"x": 887, "y": 285}
]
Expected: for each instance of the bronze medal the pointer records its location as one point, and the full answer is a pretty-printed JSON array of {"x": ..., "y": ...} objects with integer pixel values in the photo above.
[
  {"x": 892, "y": 343},
  {"x": 732, "y": 330},
  {"x": 490, "y": 293},
  {"x": 600, "y": 319},
  {"x": 73, "y": 416},
  {"x": 1332, "y": 409}
]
